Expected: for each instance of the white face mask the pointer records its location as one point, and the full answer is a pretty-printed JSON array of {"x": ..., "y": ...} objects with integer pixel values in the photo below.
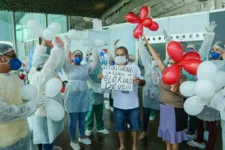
[
  {"x": 120, "y": 60},
  {"x": 154, "y": 63}
]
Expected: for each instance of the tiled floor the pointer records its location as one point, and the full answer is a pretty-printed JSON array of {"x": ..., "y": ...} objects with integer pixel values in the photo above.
[{"x": 110, "y": 142}]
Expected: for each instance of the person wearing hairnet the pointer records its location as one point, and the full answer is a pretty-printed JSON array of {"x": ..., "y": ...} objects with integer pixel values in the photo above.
[
  {"x": 13, "y": 111},
  {"x": 205, "y": 46},
  {"x": 150, "y": 91},
  {"x": 77, "y": 96},
  {"x": 97, "y": 98},
  {"x": 210, "y": 115},
  {"x": 45, "y": 67}
]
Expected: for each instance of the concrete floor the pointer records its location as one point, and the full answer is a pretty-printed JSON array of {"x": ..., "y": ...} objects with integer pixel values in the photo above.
[{"x": 110, "y": 142}]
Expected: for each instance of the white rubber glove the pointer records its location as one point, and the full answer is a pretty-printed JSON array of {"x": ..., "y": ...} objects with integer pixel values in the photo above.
[
  {"x": 40, "y": 100},
  {"x": 67, "y": 39},
  {"x": 211, "y": 27},
  {"x": 167, "y": 37}
]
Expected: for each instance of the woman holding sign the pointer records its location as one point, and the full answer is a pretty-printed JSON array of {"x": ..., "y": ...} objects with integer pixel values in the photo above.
[
  {"x": 126, "y": 103},
  {"x": 77, "y": 97},
  {"x": 172, "y": 115}
]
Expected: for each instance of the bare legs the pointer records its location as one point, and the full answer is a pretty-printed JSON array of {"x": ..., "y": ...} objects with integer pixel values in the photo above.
[
  {"x": 170, "y": 146},
  {"x": 121, "y": 138}
]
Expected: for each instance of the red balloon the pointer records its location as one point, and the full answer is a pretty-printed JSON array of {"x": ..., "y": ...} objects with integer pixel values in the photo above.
[
  {"x": 192, "y": 55},
  {"x": 175, "y": 51},
  {"x": 138, "y": 31},
  {"x": 154, "y": 26},
  {"x": 144, "y": 12},
  {"x": 132, "y": 18},
  {"x": 147, "y": 22},
  {"x": 191, "y": 65},
  {"x": 171, "y": 74}
]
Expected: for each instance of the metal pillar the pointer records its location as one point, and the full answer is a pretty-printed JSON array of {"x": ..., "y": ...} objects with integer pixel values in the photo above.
[
  {"x": 218, "y": 4},
  {"x": 13, "y": 25}
]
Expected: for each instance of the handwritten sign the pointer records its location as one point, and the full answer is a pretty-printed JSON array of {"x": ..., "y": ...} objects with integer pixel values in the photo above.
[{"x": 117, "y": 78}]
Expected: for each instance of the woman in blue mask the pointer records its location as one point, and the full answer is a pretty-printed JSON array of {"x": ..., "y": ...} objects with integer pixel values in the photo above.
[
  {"x": 209, "y": 115},
  {"x": 77, "y": 97},
  {"x": 216, "y": 51}
]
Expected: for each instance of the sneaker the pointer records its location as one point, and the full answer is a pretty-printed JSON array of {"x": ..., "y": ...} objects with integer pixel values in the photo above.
[
  {"x": 104, "y": 131},
  {"x": 107, "y": 106},
  {"x": 206, "y": 135},
  {"x": 57, "y": 147},
  {"x": 85, "y": 141},
  {"x": 75, "y": 146},
  {"x": 190, "y": 136},
  {"x": 152, "y": 118},
  {"x": 196, "y": 144},
  {"x": 111, "y": 108},
  {"x": 88, "y": 132}
]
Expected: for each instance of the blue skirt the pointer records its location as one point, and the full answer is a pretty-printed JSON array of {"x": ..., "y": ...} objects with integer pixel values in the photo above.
[{"x": 172, "y": 124}]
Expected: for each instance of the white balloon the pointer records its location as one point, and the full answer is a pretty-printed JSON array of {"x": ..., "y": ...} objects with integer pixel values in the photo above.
[
  {"x": 56, "y": 27},
  {"x": 86, "y": 42},
  {"x": 35, "y": 28},
  {"x": 205, "y": 89},
  {"x": 99, "y": 42},
  {"x": 192, "y": 107},
  {"x": 28, "y": 92},
  {"x": 48, "y": 34},
  {"x": 53, "y": 87},
  {"x": 188, "y": 88},
  {"x": 55, "y": 110},
  {"x": 206, "y": 71},
  {"x": 218, "y": 80},
  {"x": 74, "y": 35}
]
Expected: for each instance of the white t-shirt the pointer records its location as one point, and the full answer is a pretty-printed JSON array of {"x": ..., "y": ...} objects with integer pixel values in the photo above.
[{"x": 128, "y": 100}]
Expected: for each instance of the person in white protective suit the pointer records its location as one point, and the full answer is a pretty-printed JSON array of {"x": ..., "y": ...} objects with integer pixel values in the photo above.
[
  {"x": 150, "y": 93},
  {"x": 45, "y": 67},
  {"x": 205, "y": 46},
  {"x": 77, "y": 96},
  {"x": 14, "y": 129},
  {"x": 209, "y": 115}
]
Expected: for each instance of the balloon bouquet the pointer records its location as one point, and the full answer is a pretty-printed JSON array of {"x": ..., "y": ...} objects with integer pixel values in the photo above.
[
  {"x": 143, "y": 21},
  {"x": 202, "y": 92},
  {"x": 189, "y": 62},
  {"x": 54, "y": 110}
]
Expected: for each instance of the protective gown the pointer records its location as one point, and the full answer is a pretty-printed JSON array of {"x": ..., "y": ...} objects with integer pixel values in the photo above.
[
  {"x": 46, "y": 130},
  {"x": 77, "y": 96},
  {"x": 209, "y": 114},
  {"x": 152, "y": 76},
  {"x": 14, "y": 130}
]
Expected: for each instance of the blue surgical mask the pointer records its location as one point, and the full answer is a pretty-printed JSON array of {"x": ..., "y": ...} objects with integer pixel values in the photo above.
[
  {"x": 214, "y": 55},
  {"x": 15, "y": 64},
  {"x": 77, "y": 60}
]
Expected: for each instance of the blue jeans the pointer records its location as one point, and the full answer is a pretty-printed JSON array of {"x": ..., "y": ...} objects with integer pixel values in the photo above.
[
  {"x": 75, "y": 118},
  {"x": 120, "y": 116},
  {"x": 47, "y": 146}
]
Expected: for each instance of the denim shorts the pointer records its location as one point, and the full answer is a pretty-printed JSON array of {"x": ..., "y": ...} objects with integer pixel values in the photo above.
[{"x": 130, "y": 115}]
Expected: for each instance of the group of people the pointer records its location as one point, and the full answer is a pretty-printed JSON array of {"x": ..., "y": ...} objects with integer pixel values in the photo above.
[{"x": 84, "y": 98}]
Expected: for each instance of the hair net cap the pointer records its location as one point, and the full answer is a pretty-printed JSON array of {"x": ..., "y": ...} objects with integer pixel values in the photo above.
[
  {"x": 220, "y": 44},
  {"x": 77, "y": 52},
  {"x": 40, "y": 61},
  {"x": 190, "y": 45},
  {"x": 5, "y": 48}
]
